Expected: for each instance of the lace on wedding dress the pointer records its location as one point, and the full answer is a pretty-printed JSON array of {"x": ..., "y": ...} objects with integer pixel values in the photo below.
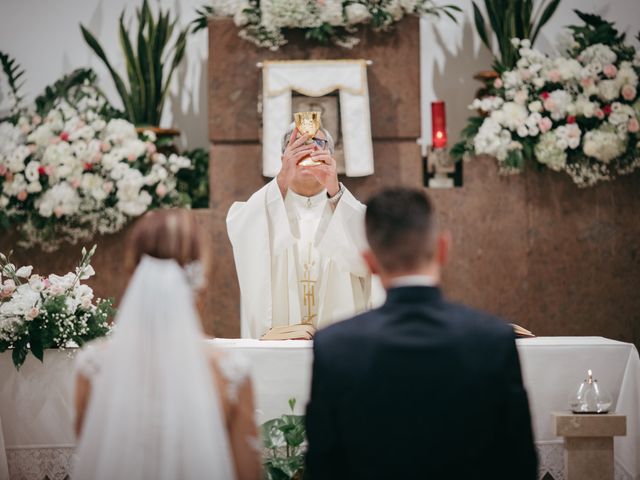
[{"x": 235, "y": 370}]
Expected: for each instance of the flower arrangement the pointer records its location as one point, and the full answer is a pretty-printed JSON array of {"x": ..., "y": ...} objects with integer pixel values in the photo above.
[
  {"x": 48, "y": 312},
  {"x": 70, "y": 170},
  {"x": 265, "y": 23},
  {"x": 579, "y": 113}
]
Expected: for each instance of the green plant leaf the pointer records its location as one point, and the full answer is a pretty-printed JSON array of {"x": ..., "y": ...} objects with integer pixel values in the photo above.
[
  {"x": 544, "y": 18},
  {"x": 136, "y": 81},
  {"x": 35, "y": 341},
  {"x": 480, "y": 25},
  {"x": 120, "y": 86}
]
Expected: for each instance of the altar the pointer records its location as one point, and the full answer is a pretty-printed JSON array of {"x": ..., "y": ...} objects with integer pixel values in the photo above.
[{"x": 36, "y": 409}]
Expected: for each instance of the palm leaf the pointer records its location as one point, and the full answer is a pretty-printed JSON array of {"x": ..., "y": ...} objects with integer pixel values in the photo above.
[
  {"x": 120, "y": 86},
  {"x": 480, "y": 25},
  {"x": 136, "y": 81},
  {"x": 544, "y": 18}
]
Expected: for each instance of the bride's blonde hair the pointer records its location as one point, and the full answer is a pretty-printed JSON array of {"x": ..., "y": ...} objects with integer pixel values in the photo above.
[{"x": 166, "y": 234}]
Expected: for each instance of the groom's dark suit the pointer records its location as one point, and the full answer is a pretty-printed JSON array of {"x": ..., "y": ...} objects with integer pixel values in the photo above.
[{"x": 419, "y": 388}]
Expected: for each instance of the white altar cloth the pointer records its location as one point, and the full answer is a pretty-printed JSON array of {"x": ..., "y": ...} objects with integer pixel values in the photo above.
[{"x": 36, "y": 408}]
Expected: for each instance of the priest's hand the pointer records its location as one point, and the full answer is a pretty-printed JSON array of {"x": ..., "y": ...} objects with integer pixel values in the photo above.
[
  {"x": 326, "y": 174},
  {"x": 295, "y": 151}
]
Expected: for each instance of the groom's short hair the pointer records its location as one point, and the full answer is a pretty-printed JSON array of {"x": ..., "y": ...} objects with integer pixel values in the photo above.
[{"x": 401, "y": 228}]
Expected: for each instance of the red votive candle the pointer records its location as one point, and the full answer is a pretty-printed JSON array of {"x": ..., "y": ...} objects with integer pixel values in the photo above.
[{"x": 438, "y": 125}]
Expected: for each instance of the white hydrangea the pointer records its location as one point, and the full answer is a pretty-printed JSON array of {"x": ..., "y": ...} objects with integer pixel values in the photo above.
[
  {"x": 357, "y": 13},
  {"x": 598, "y": 54},
  {"x": 603, "y": 145},
  {"x": 61, "y": 199},
  {"x": 549, "y": 153}
]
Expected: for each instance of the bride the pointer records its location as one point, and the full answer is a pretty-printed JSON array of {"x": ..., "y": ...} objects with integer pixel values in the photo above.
[{"x": 155, "y": 401}]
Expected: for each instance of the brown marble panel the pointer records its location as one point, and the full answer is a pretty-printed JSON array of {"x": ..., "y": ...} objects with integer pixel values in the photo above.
[
  {"x": 487, "y": 267},
  {"x": 584, "y": 261},
  {"x": 235, "y": 81}
]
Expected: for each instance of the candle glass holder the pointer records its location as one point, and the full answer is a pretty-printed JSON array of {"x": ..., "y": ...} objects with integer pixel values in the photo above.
[{"x": 590, "y": 397}]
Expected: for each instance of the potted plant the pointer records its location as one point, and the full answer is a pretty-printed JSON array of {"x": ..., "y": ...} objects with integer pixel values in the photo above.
[{"x": 150, "y": 66}]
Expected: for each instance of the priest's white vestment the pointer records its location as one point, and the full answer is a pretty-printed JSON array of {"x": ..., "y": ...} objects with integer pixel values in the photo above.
[{"x": 298, "y": 259}]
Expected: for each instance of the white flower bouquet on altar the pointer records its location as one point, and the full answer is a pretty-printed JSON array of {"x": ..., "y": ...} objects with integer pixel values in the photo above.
[
  {"x": 75, "y": 172},
  {"x": 265, "y": 23},
  {"x": 578, "y": 114},
  {"x": 49, "y": 312}
]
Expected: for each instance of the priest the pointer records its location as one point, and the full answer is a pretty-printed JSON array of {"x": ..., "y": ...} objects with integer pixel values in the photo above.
[{"x": 297, "y": 243}]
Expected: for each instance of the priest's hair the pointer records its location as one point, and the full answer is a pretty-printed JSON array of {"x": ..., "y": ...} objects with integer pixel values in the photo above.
[
  {"x": 287, "y": 136},
  {"x": 401, "y": 228}
]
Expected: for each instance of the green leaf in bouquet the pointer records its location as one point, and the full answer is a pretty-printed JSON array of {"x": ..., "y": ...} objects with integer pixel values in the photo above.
[
  {"x": 35, "y": 342},
  {"x": 272, "y": 436},
  {"x": 19, "y": 354}
]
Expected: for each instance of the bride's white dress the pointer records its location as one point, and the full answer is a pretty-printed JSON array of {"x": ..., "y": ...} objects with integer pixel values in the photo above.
[{"x": 154, "y": 411}]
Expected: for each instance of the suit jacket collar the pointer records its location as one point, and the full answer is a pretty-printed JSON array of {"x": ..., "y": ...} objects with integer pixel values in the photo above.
[{"x": 413, "y": 294}]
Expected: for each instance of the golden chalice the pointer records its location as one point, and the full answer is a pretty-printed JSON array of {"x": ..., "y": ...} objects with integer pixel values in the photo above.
[{"x": 309, "y": 123}]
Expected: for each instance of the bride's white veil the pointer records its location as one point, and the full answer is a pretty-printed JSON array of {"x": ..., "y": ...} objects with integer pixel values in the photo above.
[{"x": 154, "y": 411}]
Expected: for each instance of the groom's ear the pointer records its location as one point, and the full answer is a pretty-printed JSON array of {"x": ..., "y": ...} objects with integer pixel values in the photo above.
[{"x": 371, "y": 261}]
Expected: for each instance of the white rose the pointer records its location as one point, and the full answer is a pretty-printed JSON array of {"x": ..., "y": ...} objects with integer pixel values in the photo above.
[
  {"x": 24, "y": 272},
  {"x": 535, "y": 106},
  {"x": 608, "y": 90},
  {"x": 31, "y": 172}
]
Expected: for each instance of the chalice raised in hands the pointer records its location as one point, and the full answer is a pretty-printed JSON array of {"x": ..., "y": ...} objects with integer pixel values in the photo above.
[{"x": 309, "y": 123}]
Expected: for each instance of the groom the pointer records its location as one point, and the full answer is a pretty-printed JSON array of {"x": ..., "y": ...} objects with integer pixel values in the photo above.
[{"x": 421, "y": 387}]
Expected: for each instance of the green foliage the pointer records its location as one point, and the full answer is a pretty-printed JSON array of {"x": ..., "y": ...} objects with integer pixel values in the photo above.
[
  {"x": 283, "y": 439},
  {"x": 69, "y": 87},
  {"x": 511, "y": 19},
  {"x": 465, "y": 145},
  {"x": 14, "y": 72},
  {"x": 194, "y": 182},
  {"x": 148, "y": 79},
  {"x": 597, "y": 30}
]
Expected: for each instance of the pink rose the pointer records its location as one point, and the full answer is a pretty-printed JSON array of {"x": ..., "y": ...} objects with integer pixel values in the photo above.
[
  {"x": 58, "y": 212},
  {"x": 599, "y": 113},
  {"x": 497, "y": 83},
  {"x": 545, "y": 124},
  {"x": 610, "y": 70},
  {"x": 33, "y": 313},
  {"x": 3, "y": 170},
  {"x": 586, "y": 82},
  {"x": 56, "y": 289},
  {"x": 151, "y": 148},
  {"x": 549, "y": 104},
  {"x": 629, "y": 92},
  {"x": 75, "y": 183},
  {"x": 633, "y": 126},
  {"x": 105, "y": 147},
  {"x": 97, "y": 157},
  {"x": 8, "y": 288},
  {"x": 131, "y": 157},
  {"x": 554, "y": 76},
  {"x": 161, "y": 190},
  {"x": 107, "y": 186},
  {"x": 22, "y": 195}
]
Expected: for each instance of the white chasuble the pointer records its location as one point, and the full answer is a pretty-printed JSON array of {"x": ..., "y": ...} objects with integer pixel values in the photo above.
[{"x": 298, "y": 259}]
